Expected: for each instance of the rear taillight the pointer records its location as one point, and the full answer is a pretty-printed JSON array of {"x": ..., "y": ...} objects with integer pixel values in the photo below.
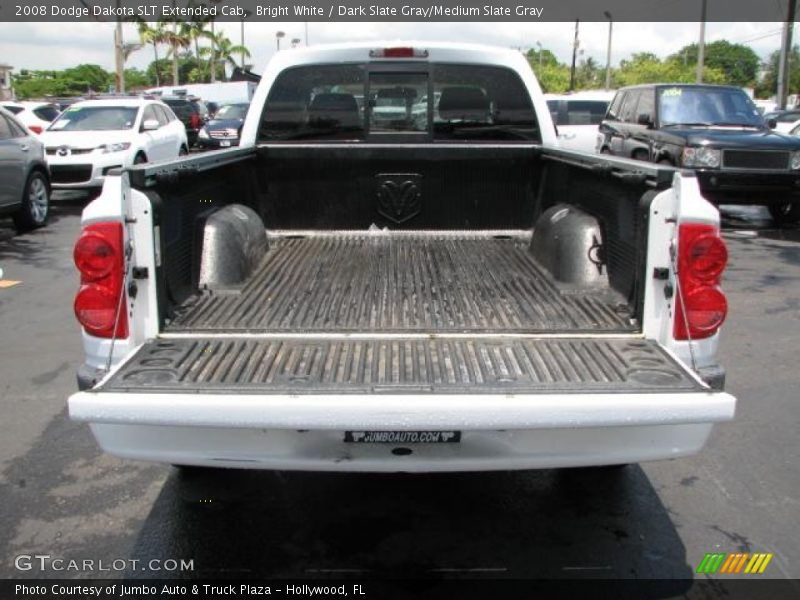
[
  {"x": 195, "y": 121},
  {"x": 35, "y": 128},
  {"x": 99, "y": 256},
  {"x": 702, "y": 307}
]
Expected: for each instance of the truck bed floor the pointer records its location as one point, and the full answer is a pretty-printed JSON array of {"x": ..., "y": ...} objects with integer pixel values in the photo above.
[
  {"x": 404, "y": 365},
  {"x": 465, "y": 282}
]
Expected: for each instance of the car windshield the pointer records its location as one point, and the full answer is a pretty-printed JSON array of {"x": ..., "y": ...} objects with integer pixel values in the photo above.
[
  {"x": 95, "y": 118},
  {"x": 232, "y": 111},
  {"x": 683, "y": 105}
]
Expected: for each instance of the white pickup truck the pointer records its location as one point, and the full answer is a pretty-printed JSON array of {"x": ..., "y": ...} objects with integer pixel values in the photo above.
[{"x": 448, "y": 293}]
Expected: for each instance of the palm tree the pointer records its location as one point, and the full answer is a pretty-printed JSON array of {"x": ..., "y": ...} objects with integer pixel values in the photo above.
[
  {"x": 213, "y": 52},
  {"x": 223, "y": 51},
  {"x": 177, "y": 38},
  {"x": 155, "y": 36}
]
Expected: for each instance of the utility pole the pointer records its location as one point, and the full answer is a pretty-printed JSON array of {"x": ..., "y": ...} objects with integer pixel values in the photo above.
[
  {"x": 119, "y": 58},
  {"x": 608, "y": 52},
  {"x": 783, "y": 62},
  {"x": 701, "y": 44},
  {"x": 306, "y": 33},
  {"x": 574, "y": 56}
]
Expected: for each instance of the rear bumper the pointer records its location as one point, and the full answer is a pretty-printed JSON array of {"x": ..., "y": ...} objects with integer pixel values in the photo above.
[
  {"x": 305, "y": 432},
  {"x": 326, "y": 451}
]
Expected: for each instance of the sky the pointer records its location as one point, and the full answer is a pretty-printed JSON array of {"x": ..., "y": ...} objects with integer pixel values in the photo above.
[{"x": 61, "y": 45}]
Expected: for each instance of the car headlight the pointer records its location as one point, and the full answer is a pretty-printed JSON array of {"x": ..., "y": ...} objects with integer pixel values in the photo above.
[
  {"x": 203, "y": 133},
  {"x": 701, "y": 157},
  {"x": 795, "y": 162},
  {"x": 109, "y": 148}
]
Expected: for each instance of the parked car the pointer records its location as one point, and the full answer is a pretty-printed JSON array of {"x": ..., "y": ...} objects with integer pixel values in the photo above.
[
  {"x": 65, "y": 102},
  {"x": 36, "y": 116},
  {"x": 224, "y": 129},
  {"x": 191, "y": 111},
  {"x": 784, "y": 119},
  {"x": 454, "y": 295},
  {"x": 714, "y": 130},
  {"x": 24, "y": 180},
  {"x": 577, "y": 117},
  {"x": 94, "y": 137}
]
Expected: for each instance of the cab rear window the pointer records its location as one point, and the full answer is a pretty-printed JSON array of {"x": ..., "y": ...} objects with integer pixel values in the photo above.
[{"x": 435, "y": 102}]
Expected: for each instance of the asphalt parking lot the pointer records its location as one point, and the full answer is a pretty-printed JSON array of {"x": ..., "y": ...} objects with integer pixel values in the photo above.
[{"x": 60, "y": 496}]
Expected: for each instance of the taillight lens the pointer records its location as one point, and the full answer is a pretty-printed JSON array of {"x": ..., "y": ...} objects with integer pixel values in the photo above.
[
  {"x": 98, "y": 254},
  {"x": 702, "y": 257},
  {"x": 35, "y": 128},
  {"x": 195, "y": 121},
  {"x": 96, "y": 308},
  {"x": 94, "y": 254}
]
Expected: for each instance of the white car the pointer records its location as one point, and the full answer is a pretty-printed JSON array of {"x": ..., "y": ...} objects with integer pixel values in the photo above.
[
  {"x": 577, "y": 116},
  {"x": 36, "y": 116},
  {"x": 91, "y": 138}
]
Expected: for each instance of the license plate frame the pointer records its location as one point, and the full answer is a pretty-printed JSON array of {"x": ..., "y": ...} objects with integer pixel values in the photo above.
[{"x": 402, "y": 437}]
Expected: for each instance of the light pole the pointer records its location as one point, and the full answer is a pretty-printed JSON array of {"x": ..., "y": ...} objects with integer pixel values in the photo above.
[
  {"x": 247, "y": 13},
  {"x": 608, "y": 52},
  {"x": 701, "y": 44},
  {"x": 278, "y": 36},
  {"x": 575, "y": 45}
]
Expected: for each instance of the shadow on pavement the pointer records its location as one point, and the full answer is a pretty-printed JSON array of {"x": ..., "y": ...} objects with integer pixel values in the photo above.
[
  {"x": 28, "y": 247},
  {"x": 561, "y": 523}
]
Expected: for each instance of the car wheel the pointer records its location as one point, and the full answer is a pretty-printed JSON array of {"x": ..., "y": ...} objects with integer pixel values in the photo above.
[
  {"x": 183, "y": 151},
  {"x": 605, "y": 150},
  {"x": 785, "y": 213},
  {"x": 640, "y": 155},
  {"x": 139, "y": 159},
  {"x": 35, "y": 203},
  {"x": 666, "y": 162}
]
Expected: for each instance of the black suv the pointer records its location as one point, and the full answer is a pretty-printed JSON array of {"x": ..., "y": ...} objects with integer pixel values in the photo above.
[
  {"x": 715, "y": 130},
  {"x": 191, "y": 111}
]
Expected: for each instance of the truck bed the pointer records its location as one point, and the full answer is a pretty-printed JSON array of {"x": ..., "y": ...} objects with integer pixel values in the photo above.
[
  {"x": 378, "y": 281},
  {"x": 405, "y": 364}
]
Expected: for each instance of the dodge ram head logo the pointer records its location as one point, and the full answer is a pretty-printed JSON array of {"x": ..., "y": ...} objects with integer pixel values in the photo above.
[{"x": 399, "y": 196}]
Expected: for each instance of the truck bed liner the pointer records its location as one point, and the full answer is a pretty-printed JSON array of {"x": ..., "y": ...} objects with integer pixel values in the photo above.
[
  {"x": 466, "y": 365},
  {"x": 401, "y": 282}
]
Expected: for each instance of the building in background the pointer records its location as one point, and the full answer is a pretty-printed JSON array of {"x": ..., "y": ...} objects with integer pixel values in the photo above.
[{"x": 6, "y": 93}]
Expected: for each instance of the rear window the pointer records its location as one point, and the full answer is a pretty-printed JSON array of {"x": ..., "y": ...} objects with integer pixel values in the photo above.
[
  {"x": 14, "y": 110},
  {"x": 46, "y": 113},
  {"x": 579, "y": 112},
  {"x": 182, "y": 108},
  {"x": 437, "y": 102}
]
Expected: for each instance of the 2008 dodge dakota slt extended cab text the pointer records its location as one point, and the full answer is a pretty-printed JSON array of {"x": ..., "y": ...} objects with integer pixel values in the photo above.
[{"x": 435, "y": 287}]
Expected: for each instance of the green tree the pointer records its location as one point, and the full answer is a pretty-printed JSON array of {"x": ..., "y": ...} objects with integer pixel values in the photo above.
[
  {"x": 154, "y": 36},
  {"x": 645, "y": 67},
  {"x": 739, "y": 64},
  {"x": 223, "y": 52},
  {"x": 74, "y": 81},
  {"x": 136, "y": 78},
  {"x": 178, "y": 38},
  {"x": 768, "y": 85}
]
